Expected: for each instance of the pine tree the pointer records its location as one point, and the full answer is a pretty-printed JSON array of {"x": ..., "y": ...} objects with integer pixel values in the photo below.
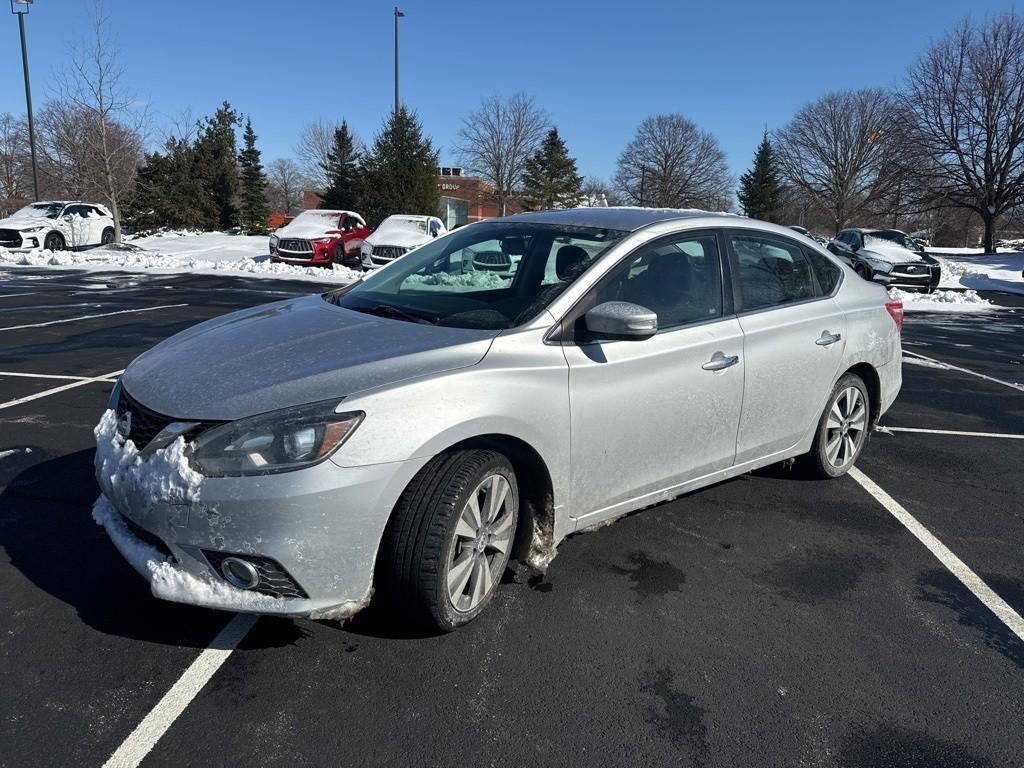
[
  {"x": 216, "y": 166},
  {"x": 399, "y": 174},
  {"x": 760, "y": 191},
  {"x": 550, "y": 179},
  {"x": 342, "y": 168},
  {"x": 254, "y": 207}
]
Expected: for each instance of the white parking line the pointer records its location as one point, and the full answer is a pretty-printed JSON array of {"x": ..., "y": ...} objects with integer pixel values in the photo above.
[
  {"x": 1003, "y": 435},
  {"x": 162, "y": 716},
  {"x": 952, "y": 367},
  {"x": 90, "y": 317},
  {"x": 953, "y": 564},
  {"x": 14, "y": 295},
  {"x": 20, "y": 375},
  {"x": 47, "y": 392}
]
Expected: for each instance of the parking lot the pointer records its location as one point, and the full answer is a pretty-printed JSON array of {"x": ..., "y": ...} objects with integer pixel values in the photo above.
[{"x": 763, "y": 621}]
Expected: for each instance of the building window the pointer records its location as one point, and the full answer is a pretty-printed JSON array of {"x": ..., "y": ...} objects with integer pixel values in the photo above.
[{"x": 454, "y": 212}]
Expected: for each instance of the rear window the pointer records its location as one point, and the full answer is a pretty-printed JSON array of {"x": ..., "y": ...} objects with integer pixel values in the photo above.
[{"x": 826, "y": 272}]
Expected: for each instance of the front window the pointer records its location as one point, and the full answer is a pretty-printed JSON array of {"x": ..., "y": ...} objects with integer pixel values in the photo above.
[
  {"x": 492, "y": 275},
  {"x": 37, "y": 210},
  {"x": 894, "y": 236}
]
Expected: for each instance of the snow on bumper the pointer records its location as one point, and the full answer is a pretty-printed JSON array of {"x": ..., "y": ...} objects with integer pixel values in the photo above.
[{"x": 322, "y": 525}]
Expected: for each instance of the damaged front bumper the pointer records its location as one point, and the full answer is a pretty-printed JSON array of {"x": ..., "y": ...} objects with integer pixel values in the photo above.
[{"x": 313, "y": 533}]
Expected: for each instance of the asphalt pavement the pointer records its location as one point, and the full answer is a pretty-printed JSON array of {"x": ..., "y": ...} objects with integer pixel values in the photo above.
[{"x": 763, "y": 621}]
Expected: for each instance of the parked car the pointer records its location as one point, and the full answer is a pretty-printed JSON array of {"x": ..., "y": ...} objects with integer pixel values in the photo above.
[
  {"x": 320, "y": 238},
  {"x": 409, "y": 433},
  {"x": 889, "y": 257},
  {"x": 397, "y": 235},
  {"x": 56, "y": 225}
]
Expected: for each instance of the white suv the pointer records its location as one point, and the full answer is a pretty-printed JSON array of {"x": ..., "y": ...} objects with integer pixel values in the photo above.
[
  {"x": 396, "y": 236},
  {"x": 56, "y": 225}
]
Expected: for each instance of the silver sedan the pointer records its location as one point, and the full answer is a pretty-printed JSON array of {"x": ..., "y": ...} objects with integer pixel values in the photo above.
[{"x": 411, "y": 433}]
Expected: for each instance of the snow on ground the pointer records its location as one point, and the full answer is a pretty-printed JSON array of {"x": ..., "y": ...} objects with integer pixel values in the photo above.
[
  {"x": 942, "y": 301},
  {"x": 969, "y": 268},
  {"x": 192, "y": 252}
]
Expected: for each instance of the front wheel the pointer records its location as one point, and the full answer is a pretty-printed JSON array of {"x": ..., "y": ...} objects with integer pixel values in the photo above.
[
  {"x": 842, "y": 430},
  {"x": 450, "y": 537},
  {"x": 54, "y": 242},
  {"x": 107, "y": 237}
]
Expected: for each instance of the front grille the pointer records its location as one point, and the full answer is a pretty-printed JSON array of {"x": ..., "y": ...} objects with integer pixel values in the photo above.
[
  {"x": 387, "y": 252},
  {"x": 295, "y": 246},
  {"x": 10, "y": 238},
  {"x": 274, "y": 579},
  {"x": 911, "y": 269},
  {"x": 146, "y": 424},
  {"x": 154, "y": 541}
]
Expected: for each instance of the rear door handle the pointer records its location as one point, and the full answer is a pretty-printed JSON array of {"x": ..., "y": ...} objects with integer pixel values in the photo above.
[
  {"x": 720, "y": 362},
  {"x": 828, "y": 339}
]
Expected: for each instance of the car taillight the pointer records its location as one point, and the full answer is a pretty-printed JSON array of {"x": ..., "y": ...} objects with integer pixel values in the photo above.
[{"x": 895, "y": 310}]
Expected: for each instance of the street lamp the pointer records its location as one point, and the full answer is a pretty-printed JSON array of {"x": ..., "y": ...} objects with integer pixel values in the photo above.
[
  {"x": 398, "y": 15},
  {"x": 19, "y": 8}
]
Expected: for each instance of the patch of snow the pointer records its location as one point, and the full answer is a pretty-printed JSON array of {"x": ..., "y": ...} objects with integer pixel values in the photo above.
[
  {"x": 542, "y": 548},
  {"x": 182, "y": 252},
  {"x": 12, "y": 451},
  {"x": 924, "y": 363},
  {"x": 471, "y": 280},
  {"x": 887, "y": 251},
  {"x": 969, "y": 268},
  {"x": 942, "y": 301}
]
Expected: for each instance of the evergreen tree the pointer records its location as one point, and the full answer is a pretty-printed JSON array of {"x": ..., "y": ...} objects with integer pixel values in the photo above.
[
  {"x": 254, "y": 207},
  {"x": 550, "y": 179},
  {"x": 216, "y": 167},
  {"x": 342, "y": 168},
  {"x": 761, "y": 189},
  {"x": 168, "y": 191},
  {"x": 399, "y": 174}
]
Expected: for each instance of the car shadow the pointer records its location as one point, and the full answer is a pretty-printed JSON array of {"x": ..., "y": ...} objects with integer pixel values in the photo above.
[{"x": 49, "y": 536}]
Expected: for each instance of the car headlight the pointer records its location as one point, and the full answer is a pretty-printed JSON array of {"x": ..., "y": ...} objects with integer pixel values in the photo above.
[
  {"x": 323, "y": 240},
  {"x": 278, "y": 441},
  {"x": 32, "y": 230},
  {"x": 274, "y": 239},
  {"x": 880, "y": 266}
]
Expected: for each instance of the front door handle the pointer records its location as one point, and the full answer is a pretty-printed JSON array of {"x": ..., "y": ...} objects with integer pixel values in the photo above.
[
  {"x": 720, "y": 362},
  {"x": 828, "y": 339}
]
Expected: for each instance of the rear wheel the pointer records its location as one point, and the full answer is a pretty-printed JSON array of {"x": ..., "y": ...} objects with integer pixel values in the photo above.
[
  {"x": 54, "y": 242},
  {"x": 449, "y": 540},
  {"x": 842, "y": 430}
]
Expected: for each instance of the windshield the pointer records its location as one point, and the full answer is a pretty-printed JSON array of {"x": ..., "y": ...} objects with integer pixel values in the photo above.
[
  {"x": 895, "y": 236},
  {"x": 401, "y": 224},
  {"x": 46, "y": 210},
  {"x": 490, "y": 275},
  {"x": 322, "y": 217}
]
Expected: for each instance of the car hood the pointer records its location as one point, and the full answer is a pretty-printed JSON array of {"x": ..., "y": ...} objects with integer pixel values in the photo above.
[
  {"x": 305, "y": 229},
  {"x": 893, "y": 255},
  {"x": 23, "y": 223},
  {"x": 291, "y": 353},
  {"x": 399, "y": 237}
]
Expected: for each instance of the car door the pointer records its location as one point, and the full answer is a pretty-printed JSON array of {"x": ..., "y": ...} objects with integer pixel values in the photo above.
[
  {"x": 77, "y": 225},
  {"x": 650, "y": 415},
  {"x": 793, "y": 340}
]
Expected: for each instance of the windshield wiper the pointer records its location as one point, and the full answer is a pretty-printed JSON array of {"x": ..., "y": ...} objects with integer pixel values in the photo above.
[{"x": 386, "y": 310}]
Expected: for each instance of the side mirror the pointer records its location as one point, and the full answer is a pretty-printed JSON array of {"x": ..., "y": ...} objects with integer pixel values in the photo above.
[{"x": 621, "y": 320}]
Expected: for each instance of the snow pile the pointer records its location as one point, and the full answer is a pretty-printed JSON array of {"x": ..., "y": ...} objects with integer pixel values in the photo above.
[
  {"x": 472, "y": 280},
  {"x": 208, "y": 252},
  {"x": 942, "y": 301},
  {"x": 165, "y": 476},
  {"x": 969, "y": 268}
]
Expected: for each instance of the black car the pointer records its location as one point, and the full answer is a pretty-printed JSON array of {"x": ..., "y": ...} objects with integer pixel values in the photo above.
[{"x": 889, "y": 257}]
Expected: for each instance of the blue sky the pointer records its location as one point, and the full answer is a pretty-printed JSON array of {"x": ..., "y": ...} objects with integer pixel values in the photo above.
[{"x": 598, "y": 68}]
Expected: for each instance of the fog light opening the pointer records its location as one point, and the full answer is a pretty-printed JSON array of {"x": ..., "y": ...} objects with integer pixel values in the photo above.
[{"x": 240, "y": 573}]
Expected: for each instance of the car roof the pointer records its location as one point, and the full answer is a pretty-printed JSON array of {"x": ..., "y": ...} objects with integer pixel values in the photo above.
[{"x": 626, "y": 218}]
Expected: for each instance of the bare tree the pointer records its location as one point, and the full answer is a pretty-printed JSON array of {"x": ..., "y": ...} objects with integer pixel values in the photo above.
[
  {"x": 597, "y": 192},
  {"x": 966, "y": 97},
  {"x": 15, "y": 163},
  {"x": 840, "y": 149},
  {"x": 94, "y": 136},
  {"x": 495, "y": 141},
  {"x": 313, "y": 151},
  {"x": 286, "y": 183},
  {"x": 670, "y": 163}
]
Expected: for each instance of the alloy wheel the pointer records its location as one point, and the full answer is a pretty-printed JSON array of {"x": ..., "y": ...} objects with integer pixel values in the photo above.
[
  {"x": 482, "y": 540},
  {"x": 846, "y": 427}
]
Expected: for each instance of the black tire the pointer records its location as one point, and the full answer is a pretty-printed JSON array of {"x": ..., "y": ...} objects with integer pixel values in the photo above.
[
  {"x": 54, "y": 242},
  {"x": 107, "y": 237},
  {"x": 816, "y": 462},
  {"x": 421, "y": 540}
]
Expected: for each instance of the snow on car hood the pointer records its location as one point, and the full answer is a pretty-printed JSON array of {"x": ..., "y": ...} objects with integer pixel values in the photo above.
[
  {"x": 291, "y": 353},
  {"x": 892, "y": 253},
  {"x": 23, "y": 223},
  {"x": 402, "y": 237},
  {"x": 308, "y": 226}
]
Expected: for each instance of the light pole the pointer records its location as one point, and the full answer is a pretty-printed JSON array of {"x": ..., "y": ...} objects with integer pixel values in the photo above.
[
  {"x": 19, "y": 8},
  {"x": 398, "y": 15}
]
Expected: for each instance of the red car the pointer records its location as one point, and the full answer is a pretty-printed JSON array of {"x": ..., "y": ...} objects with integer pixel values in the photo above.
[{"x": 319, "y": 238}]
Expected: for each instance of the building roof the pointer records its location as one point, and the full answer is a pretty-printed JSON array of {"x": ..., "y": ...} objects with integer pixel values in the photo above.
[{"x": 625, "y": 218}]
